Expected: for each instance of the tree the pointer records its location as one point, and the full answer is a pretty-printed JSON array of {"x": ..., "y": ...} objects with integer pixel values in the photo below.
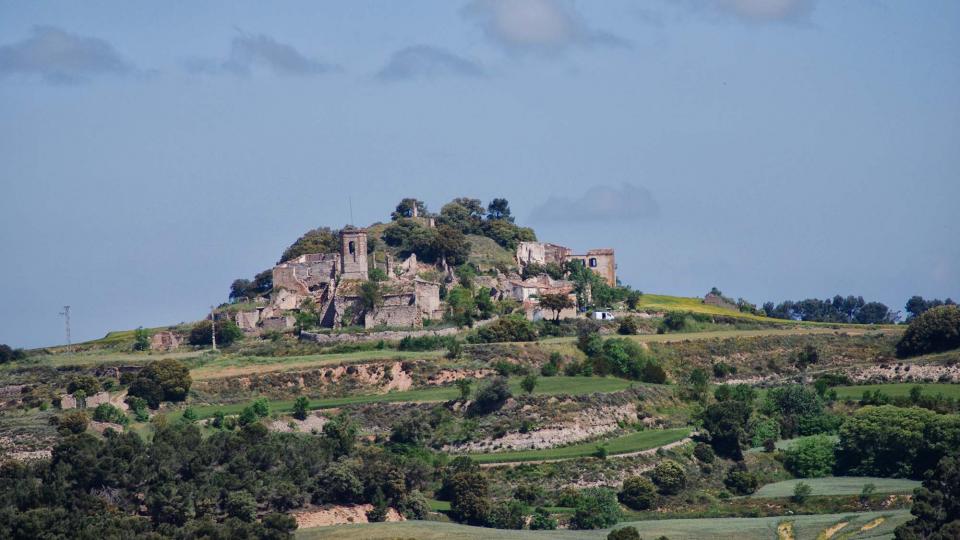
[
  {"x": 633, "y": 299},
  {"x": 794, "y": 406},
  {"x": 461, "y": 306},
  {"x": 624, "y": 533},
  {"x": 321, "y": 240},
  {"x": 542, "y": 520},
  {"x": 9, "y": 354},
  {"x": 556, "y": 303},
  {"x": 597, "y": 508},
  {"x": 463, "y": 385},
  {"x": 227, "y": 332},
  {"x": 890, "y": 441},
  {"x": 916, "y": 306},
  {"x": 499, "y": 209},
  {"x": 106, "y": 412},
  {"x": 261, "y": 407},
  {"x": 740, "y": 480},
  {"x": 241, "y": 289},
  {"x": 935, "y": 330},
  {"x": 407, "y": 207},
  {"x": 88, "y": 384},
  {"x": 807, "y": 357},
  {"x": 874, "y": 313},
  {"x": 470, "y": 497},
  {"x": 73, "y": 422},
  {"x": 340, "y": 434},
  {"x": 628, "y": 326},
  {"x": 696, "y": 385},
  {"x": 491, "y": 397},
  {"x": 936, "y": 504},
  {"x": 371, "y": 296},
  {"x": 509, "y": 328},
  {"x": 509, "y": 514},
  {"x": 301, "y": 407},
  {"x": 529, "y": 383},
  {"x": 638, "y": 493},
  {"x": 162, "y": 380},
  {"x": 141, "y": 339},
  {"x": 669, "y": 477},
  {"x": 725, "y": 421},
  {"x": 811, "y": 457}
]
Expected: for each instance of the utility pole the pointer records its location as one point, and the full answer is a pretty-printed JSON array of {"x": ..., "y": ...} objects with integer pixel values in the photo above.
[
  {"x": 66, "y": 319},
  {"x": 213, "y": 329},
  {"x": 350, "y": 201}
]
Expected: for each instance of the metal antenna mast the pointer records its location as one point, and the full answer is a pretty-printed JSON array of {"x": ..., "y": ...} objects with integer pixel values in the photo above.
[
  {"x": 213, "y": 329},
  {"x": 66, "y": 319}
]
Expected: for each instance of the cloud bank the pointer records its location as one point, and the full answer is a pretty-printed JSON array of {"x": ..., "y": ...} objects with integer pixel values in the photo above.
[
  {"x": 57, "y": 56},
  {"x": 600, "y": 203},
  {"x": 545, "y": 26},
  {"x": 249, "y": 52},
  {"x": 425, "y": 61}
]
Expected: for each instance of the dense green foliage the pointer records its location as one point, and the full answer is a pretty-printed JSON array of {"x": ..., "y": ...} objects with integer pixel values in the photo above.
[
  {"x": 811, "y": 457},
  {"x": 624, "y": 533},
  {"x": 161, "y": 380},
  {"x": 491, "y": 396},
  {"x": 936, "y": 330},
  {"x": 895, "y": 442},
  {"x": 726, "y": 421},
  {"x": 669, "y": 477},
  {"x": 9, "y": 354},
  {"x": 227, "y": 333},
  {"x": 916, "y": 305},
  {"x": 509, "y": 328},
  {"x": 596, "y": 508},
  {"x": 936, "y": 505},
  {"x": 799, "y": 410},
  {"x": 741, "y": 480},
  {"x": 839, "y": 309},
  {"x": 321, "y": 240},
  {"x": 638, "y": 493},
  {"x": 622, "y": 357}
]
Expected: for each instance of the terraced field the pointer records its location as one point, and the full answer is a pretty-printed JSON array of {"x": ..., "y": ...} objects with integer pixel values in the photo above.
[
  {"x": 899, "y": 389},
  {"x": 634, "y": 442},
  {"x": 545, "y": 386},
  {"x": 837, "y": 485},
  {"x": 856, "y": 526}
]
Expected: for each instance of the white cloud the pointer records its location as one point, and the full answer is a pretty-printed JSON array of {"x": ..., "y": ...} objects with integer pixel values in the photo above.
[
  {"x": 546, "y": 26},
  {"x": 58, "y": 56},
  {"x": 424, "y": 61},
  {"x": 600, "y": 203}
]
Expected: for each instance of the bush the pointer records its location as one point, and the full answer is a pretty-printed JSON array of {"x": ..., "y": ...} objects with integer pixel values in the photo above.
[
  {"x": 653, "y": 373},
  {"x": 935, "y": 330},
  {"x": 674, "y": 322},
  {"x": 425, "y": 343},
  {"x": 669, "y": 477},
  {"x": 73, "y": 422},
  {"x": 510, "y": 514},
  {"x": 227, "y": 333},
  {"x": 529, "y": 493},
  {"x": 106, "y": 412},
  {"x": 811, "y": 457},
  {"x": 542, "y": 520},
  {"x": 469, "y": 497},
  {"x": 89, "y": 384},
  {"x": 301, "y": 407},
  {"x": 161, "y": 380},
  {"x": 596, "y": 509},
  {"x": 740, "y": 480},
  {"x": 638, "y": 493},
  {"x": 801, "y": 492},
  {"x": 725, "y": 421},
  {"x": 704, "y": 453},
  {"x": 9, "y": 354},
  {"x": 509, "y": 328},
  {"x": 624, "y": 533},
  {"x": 628, "y": 326},
  {"x": 491, "y": 396}
]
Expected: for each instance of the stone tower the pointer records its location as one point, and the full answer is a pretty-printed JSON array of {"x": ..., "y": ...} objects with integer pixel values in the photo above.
[{"x": 353, "y": 253}]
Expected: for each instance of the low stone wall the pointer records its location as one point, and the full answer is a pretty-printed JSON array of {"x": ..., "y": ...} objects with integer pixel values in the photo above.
[{"x": 387, "y": 335}]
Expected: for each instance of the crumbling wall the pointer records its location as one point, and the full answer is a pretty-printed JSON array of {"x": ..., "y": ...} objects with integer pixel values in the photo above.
[
  {"x": 164, "y": 341},
  {"x": 428, "y": 299},
  {"x": 247, "y": 320}
]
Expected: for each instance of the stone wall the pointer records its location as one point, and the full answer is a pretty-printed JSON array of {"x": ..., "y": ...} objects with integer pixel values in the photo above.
[
  {"x": 164, "y": 341},
  {"x": 387, "y": 335}
]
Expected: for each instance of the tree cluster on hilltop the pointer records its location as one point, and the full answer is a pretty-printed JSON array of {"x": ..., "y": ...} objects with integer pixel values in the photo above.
[{"x": 839, "y": 309}]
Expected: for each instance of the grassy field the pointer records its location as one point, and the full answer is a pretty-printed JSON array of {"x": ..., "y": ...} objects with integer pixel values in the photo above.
[
  {"x": 230, "y": 366},
  {"x": 785, "y": 444},
  {"x": 545, "y": 386},
  {"x": 837, "y": 485},
  {"x": 899, "y": 389},
  {"x": 804, "y": 527},
  {"x": 634, "y": 442},
  {"x": 714, "y": 334}
]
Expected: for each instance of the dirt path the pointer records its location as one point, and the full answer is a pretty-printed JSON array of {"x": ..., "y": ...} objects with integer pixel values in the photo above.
[{"x": 647, "y": 452}]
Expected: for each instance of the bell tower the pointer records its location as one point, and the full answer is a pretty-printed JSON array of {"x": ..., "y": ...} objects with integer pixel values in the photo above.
[{"x": 353, "y": 253}]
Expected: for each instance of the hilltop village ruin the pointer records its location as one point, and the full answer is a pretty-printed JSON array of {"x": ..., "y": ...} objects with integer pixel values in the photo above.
[{"x": 331, "y": 283}]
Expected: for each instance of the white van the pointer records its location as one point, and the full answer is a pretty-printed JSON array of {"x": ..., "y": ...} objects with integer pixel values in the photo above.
[{"x": 603, "y": 316}]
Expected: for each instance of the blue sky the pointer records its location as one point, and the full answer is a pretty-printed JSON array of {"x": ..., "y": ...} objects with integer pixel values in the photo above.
[{"x": 150, "y": 153}]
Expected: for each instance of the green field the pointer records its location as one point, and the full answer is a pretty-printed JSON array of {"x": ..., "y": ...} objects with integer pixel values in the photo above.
[
  {"x": 545, "y": 386},
  {"x": 898, "y": 389},
  {"x": 837, "y": 485},
  {"x": 229, "y": 366},
  {"x": 634, "y": 442},
  {"x": 805, "y": 528}
]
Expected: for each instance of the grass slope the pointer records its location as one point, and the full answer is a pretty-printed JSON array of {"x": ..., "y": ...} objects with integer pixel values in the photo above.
[
  {"x": 804, "y": 527},
  {"x": 545, "y": 386},
  {"x": 898, "y": 389},
  {"x": 634, "y": 442},
  {"x": 837, "y": 485}
]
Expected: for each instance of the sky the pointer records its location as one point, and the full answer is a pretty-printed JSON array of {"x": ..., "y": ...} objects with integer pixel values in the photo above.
[{"x": 152, "y": 152}]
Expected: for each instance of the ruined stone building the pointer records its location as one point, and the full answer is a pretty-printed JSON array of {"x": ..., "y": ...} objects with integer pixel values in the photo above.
[
  {"x": 332, "y": 282},
  {"x": 600, "y": 261}
]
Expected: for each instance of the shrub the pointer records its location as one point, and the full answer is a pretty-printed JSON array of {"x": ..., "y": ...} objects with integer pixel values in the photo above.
[
  {"x": 89, "y": 384},
  {"x": 106, "y": 412},
  {"x": 510, "y": 514},
  {"x": 261, "y": 407},
  {"x": 801, "y": 492},
  {"x": 425, "y": 343},
  {"x": 529, "y": 383},
  {"x": 469, "y": 497},
  {"x": 161, "y": 380},
  {"x": 703, "y": 452},
  {"x": 653, "y": 373},
  {"x": 669, "y": 477},
  {"x": 740, "y": 480},
  {"x": 811, "y": 457},
  {"x": 141, "y": 339},
  {"x": 674, "y": 322},
  {"x": 509, "y": 328},
  {"x": 9, "y": 354},
  {"x": 73, "y": 422},
  {"x": 624, "y": 533},
  {"x": 628, "y": 326},
  {"x": 596, "y": 509},
  {"x": 491, "y": 397},
  {"x": 638, "y": 493},
  {"x": 301, "y": 408},
  {"x": 542, "y": 520},
  {"x": 227, "y": 333},
  {"x": 935, "y": 330},
  {"x": 528, "y": 493},
  {"x": 724, "y": 421}
]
